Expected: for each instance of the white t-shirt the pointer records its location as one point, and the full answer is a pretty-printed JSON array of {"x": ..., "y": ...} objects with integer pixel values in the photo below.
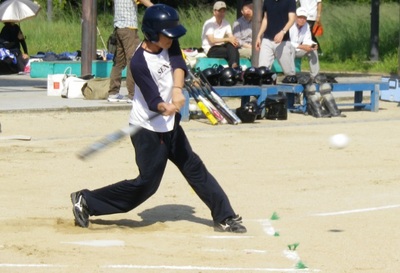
[
  {"x": 219, "y": 31},
  {"x": 300, "y": 36},
  {"x": 311, "y": 7},
  {"x": 153, "y": 75}
]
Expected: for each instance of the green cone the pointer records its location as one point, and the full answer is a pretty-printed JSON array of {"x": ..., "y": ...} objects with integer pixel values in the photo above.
[
  {"x": 301, "y": 265},
  {"x": 274, "y": 216}
]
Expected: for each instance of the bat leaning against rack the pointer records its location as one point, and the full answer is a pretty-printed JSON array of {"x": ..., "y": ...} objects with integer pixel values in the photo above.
[
  {"x": 201, "y": 105},
  {"x": 195, "y": 92},
  {"x": 216, "y": 100}
]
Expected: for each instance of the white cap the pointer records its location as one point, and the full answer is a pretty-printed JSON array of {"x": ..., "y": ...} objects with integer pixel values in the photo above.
[
  {"x": 301, "y": 12},
  {"x": 219, "y": 5}
]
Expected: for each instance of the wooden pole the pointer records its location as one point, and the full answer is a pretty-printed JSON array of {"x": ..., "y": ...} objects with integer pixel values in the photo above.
[
  {"x": 49, "y": 10},
  {"x": 398, "y": 53},
  {"x": 86, "y": 41},
  {"x": 255, "y": 27},
  {"x": 93, "y": 29},
  {"x": 374, "y": 40}
]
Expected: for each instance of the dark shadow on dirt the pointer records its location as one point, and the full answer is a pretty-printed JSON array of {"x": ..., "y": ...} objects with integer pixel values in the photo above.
[{"x": 159, "y": 214}]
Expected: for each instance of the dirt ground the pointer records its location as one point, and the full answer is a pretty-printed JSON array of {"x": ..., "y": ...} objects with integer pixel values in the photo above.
[{"x": 340, "y": 207}]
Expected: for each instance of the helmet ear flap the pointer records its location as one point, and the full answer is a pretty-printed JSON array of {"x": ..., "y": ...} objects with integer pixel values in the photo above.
[{"x": 150, "y": 35}]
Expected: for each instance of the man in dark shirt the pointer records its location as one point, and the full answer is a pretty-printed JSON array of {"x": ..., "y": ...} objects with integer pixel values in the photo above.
[
  {"x": 273, "y": 39},
  {"x": 12, "y": 37}
]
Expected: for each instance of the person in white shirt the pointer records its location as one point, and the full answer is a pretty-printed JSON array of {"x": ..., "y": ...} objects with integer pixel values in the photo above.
[
  {"x": 217, "y": 38},
  {"x": 300, "y": 37},
  {"x": 314, "y": 11}
]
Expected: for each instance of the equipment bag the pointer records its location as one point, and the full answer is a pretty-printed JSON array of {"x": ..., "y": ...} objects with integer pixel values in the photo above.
[
  {"x": 72, "y": 88},
  {"x": 96, "y": 89},
  {"x": 56, "y": 82}
]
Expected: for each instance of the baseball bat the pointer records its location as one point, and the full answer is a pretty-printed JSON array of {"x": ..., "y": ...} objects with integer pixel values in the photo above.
[
  {"x": 210, "y": 106},
  {"x": 219, "y": 108},
  {"x": 109, "y": 139},
  {"x": 218, "y": 98},
  {"x": 202, "y": 107},
  {"x": 221, "y": 102}
]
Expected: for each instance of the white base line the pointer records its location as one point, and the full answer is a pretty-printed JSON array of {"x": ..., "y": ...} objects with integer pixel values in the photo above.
[
  {"x": 356, "y": 210},
  {"x": 32, "y": 265},
  {"x": 204, "y": 268},
  {"x": 267, "y": 227},
  {"x": 159, "y": 267},
  {"x": 196, "y": 268}
]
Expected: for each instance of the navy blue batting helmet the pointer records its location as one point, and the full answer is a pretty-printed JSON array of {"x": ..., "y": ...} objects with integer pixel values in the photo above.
[{"x": 163, "y": 19}]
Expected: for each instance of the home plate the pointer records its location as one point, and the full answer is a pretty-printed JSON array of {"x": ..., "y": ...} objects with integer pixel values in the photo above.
[{"x": 98, "y": 243}]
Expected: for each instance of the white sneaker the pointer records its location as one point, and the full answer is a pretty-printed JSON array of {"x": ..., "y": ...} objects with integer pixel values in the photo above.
[{"x": 117, "y": 98}]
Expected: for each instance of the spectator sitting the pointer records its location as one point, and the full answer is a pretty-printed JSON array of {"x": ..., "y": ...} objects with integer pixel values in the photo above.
[
  {"x": 217, "y": 38},
  {"x": 11, "y": 63},
  {"x": 314, "y": 10},
  {"x": 242, "y": 29},
  {"x": 300, "y": 36},
  {"x": 12, "y": 38}
]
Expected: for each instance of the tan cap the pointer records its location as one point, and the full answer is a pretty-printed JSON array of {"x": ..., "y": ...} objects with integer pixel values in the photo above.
[
  {"x": 301, "y": 12},
  {"x": 219, "y": 5}
]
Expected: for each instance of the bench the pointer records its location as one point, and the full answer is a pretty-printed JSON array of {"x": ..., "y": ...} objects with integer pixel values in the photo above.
[
  {"x": 242, "y": 91},
  {"x": 204, "y": 63},
  {"x": 290, "y": 90},
  {"x": 278, "y": 69},
  {"x": 358, "y": 88}
]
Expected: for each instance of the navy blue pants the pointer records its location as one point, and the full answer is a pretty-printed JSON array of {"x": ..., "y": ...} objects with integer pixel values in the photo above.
[
  {"x": 226, "y": 51},
  {"x": 152, "y": 153}
]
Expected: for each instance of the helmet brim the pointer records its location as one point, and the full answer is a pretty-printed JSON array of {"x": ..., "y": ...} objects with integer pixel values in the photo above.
[{"x": 175, "y": 32}]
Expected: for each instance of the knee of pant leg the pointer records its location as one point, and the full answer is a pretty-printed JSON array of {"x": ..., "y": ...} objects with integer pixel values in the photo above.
[{"x": 194, "y": 169}]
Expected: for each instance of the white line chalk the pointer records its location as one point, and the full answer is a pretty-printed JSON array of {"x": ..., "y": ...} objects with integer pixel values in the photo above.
[
  {"x": 98, "y": 243},
  {"x": 356, "y": 211},
  {"x": 32, "y": 265},
  {"x": 267, "y": 227},
  {"x": 206, "y": 268}
]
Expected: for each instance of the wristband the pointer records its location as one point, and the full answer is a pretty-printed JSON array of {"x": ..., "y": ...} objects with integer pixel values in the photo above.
[
  {"x": 177, "y": 87},
  {"x": 284, "y": 31}
]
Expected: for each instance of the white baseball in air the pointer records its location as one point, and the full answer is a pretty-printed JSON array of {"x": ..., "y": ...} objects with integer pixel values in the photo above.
[{"x": 339, "y": 141}]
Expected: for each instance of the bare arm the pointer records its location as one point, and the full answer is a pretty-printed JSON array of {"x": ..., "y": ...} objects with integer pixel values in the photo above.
[
  {"x": 178, "y": 99},
  {"x": 146, "y": 3},
  {"x": 229, "y": 39},
  {"x": 319, "y": 11},
  {"x": 279, "y": 36},
  {"x": 263, "y": 27}
]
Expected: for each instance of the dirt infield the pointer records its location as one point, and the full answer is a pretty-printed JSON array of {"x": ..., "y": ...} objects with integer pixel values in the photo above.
[{"x": 339, "y": 207}]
